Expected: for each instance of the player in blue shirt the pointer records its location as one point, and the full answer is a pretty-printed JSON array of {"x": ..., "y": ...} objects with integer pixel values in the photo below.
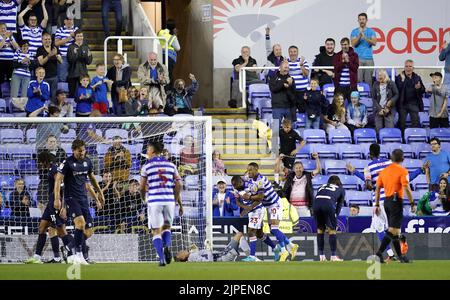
[
  {"x": 160, "y": 188},
  {"x": 51, "y": 217},
  {"x": 75, "y": 172},
  {"x": 326, "y": 207}
]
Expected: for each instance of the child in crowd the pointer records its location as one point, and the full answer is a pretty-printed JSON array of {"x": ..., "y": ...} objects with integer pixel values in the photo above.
[
  {"x": 315, "y": 105},
  {"x": 84, "y": 97},
  {"x": 101, "y": 85}
]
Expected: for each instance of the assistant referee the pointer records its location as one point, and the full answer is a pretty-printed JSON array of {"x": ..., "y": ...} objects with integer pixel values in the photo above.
[{"x": 394, "y": 179}]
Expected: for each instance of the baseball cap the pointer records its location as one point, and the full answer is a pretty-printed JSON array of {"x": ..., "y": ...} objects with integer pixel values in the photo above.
[
  {"x": 220, "y": 180},
  {"x": 354, "y": 94},
  {"x": 436, "y": 74}
]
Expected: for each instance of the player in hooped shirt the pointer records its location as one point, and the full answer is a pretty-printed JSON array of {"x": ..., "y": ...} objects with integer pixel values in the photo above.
[{"x": 160, "y": 188}]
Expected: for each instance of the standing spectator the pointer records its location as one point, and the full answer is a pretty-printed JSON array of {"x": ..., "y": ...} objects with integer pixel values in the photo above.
[
  {"x": 282, "y": 88},
  {"x": 274, "y": 57},
  {"x": 79, "y": 56},
  {"x": 346, "y": 64},
  {"x": 133, "y": 105},
  {"x": 131, "y": 205},
  {"x": 325, "y": 58},
  {"x": 100, "y": 84},
  {"x": 335, "y": 118},
  {"x": 116, "y": 6},
  {"x": 439, "y": 162},
  {"x": 363, "y": 40},
  {"x": 179, "y": 100},
  {"x": 384, "y": 96},
  {"x": 298, "y": 188},
  {"x": 356, "y": 113},
  {"x": 411, "y": 90},
  {"x": 44, "y": 130},
  {"x": 218, "y": 165},
  {"x": 20, "y": 199},
  {"x": 38, "y": 92},
  {"x": 299, "y": 70},
  {"x": 118, "y": 161},
  {"x": 64, "y": 37},
  {"x": 33, "y": 32},
  {"x": 288, "y": 142},
  {"x": 8, "y": 13},
  {"x": 84, "y": 97},
  {"x": 251, "y": 76},
  {"x": 444, "y": 55},
  {"x": 48, "y": 56},
  {"x": 120, "y": 75},
  {"x": 315, "y": 105},
  {"x": 224, "y": 203},
  {"x": 54, "y": 149},
  {"x": 173, "y": 45},
  {"x": 154, "y": 77},
  {"x": 111, "y": 193},
  {"x": 21, "y": 75},
  {"x": 438, "y": 102},
  {"x": 64, "y": 106},
  {"x": 7, "y": 48}
]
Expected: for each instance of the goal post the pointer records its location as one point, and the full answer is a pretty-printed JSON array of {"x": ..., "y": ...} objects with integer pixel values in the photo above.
[{"x": 116, "y": 146}]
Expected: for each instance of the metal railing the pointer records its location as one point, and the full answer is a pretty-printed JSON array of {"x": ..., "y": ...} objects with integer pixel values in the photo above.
[{"x": 243, "y": 74}]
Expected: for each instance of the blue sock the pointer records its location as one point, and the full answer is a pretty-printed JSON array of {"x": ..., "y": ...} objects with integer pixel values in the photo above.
[
  {"x": 40, "y": 243},
  {"x": 266, "y": 239},
  {"x": 286, "y": 241},
  {"x": 79, "y": 237},
  {"x": 157, "y": 243},
  {"x": 320, "y": 242},
  {"x": 279, "y": 235},
  {"x": 166, "y": 238},
  {"x": 333, "y": 244},
  {"x": 253, "y": 246},
  {"x": 55, "y": 245}
]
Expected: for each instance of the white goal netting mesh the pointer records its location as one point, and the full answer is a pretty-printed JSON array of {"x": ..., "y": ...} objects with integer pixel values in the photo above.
[{"x": 117, "y": 148}]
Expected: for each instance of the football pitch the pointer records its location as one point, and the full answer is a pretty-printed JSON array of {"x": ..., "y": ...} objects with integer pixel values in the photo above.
[{"x": 432, "y": 270}]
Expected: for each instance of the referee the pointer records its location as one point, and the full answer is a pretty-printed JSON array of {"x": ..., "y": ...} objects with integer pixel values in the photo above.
[{"x": 394, "y": 179}]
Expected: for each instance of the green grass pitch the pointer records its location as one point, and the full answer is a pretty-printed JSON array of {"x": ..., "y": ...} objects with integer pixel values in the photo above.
[{"x": 235, "y": 270}]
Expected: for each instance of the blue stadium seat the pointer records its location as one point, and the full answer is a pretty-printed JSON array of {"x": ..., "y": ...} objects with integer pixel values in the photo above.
[
  {"x": 442, "y": 133},
  {"x": 339, "y": 136},
  {"x": 350, "y": 182},
  {"x": 390, "y": 135},
  {"x": 408, "y": 150},
  {"x": 416, "y": 135},
  {"x": 412, "y": 164},
  {"x": 421, "y": 150},
  {"x": 426, "y": 104},
  {"x": 365, "y": 135},
  {"x": 31, "y": 181},
  {"x": 7, "y": 182},
  {"x": 92, "y": 212},
  {"x": 67, "y": 147},
  {"x": 135, "y": 166},
  {"x": 259, "y": 97},
  {"x": 304, "y": 153},
  {"x": 350, "y": 151},
  {"x": 332, "y": 166},
  {"x": 7, "y": 167},
  {"x": 314, "y": 136},
  {"x": 361, "y": 198},
  {"x": 364, "y": 89},
  {"x": 416, "y": 196},
  {"x": 102, "y": 149},
  {"x": 27, "y": 166},
  {"x": 309, "y": 164},
  {"x": 424, "y": 119},
  {"x": 31, "y": 135},
  {"x": 319, "y": 180},
  {"x": 3, "y": 106},
  {"x": 420, "y": 183},
  {"x": 301, "y": 120},
  {"x": 368, "y": 102},
  {"x": 445, "y": 146},
  {"x": 21, "y": 151},
  {"x": 68, "y": 137},
  {"x": 359, "y": 164},
  {"x": 328, "y": 90},
  {"x": 110, "y": 133},
  {"x": 63, "y": 86},
  {"x": 6, "y": 212},
  {"x": 325, "y": 151},
  {"x": 12, "y": 135}
]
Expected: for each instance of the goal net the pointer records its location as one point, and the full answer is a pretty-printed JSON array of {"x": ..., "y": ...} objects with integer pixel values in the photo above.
[{"x": 117, "y": 148}]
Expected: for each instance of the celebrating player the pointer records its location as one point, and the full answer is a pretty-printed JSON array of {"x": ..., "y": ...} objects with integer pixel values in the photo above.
[
  {"x": 326, "y": 207},
  {"x": 51, "y": 216},
  {"x": 230, "y": 253},
  {"x": 160, "y": 187},
  {"x": 75, "y": 172}
]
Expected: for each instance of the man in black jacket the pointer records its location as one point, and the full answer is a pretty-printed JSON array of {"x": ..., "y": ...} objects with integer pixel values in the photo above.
[
  {"x": 282, "y": 87},
  {"x": 79, "y": 56},
  {"x": 325, "y": 58},
  {"x": 411, "y": 90}
]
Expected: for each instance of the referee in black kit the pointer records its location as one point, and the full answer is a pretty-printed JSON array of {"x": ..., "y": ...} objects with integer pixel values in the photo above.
[{"x": 395, "y": 180}]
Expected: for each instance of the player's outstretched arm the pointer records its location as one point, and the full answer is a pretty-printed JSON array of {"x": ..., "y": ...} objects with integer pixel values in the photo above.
[
  {"x": 177, "y": 194},
  {"x": 100, "y": 196}
]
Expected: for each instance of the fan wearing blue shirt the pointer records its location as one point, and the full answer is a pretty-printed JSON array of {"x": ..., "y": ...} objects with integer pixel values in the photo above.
[
  {"x": 363, "y": 40},
  {"x": 439, "y": 161},
  {"x": 84, "y": 97},
  {"x": 38, "y": 92},
  {"x": 224, "y": 203}
]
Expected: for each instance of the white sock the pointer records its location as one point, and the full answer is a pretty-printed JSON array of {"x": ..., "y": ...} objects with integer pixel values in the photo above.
[
  {"x": 57, "y": 258},
  {"x": 243, "y": 244},
  {"x": 37, "y": 256},
  {"x": 277, "y": 177},
  {"x": 283, "y": 250},
  {"x": 289, "y": 246}
]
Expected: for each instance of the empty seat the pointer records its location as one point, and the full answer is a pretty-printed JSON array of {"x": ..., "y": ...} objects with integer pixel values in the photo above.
[
  {"x": 7, "y": 167},
  {"x": 332, "y": 166},
  {"x": 67, "y": 147},
  {"x": 3, "y": 106},
  {"x": 7, "y": 182},
  {"x": 31, "y": 181},
  {"x": 68, "y": 137},
  {"x": 11, "y": 135},
  {"x": 420, "y": 183},
  {"x": 416, "y": 135},
  {"x": 319, "y": 180},
  {"x": 110, "y": 133},
  {"x": 102, "y": 149},
  {"x": 426, "y": 104},
  {"x": 408, "y": 150},
  {"x": 63, "y": 86},
  {"x": 21, "y": 151},
  {"x": 31, "y": 135},
  {"x": 358, "y": 164},
  {"x": 304, "y": 152},
  {"x": 259, "y": 96},
  {"x": 421, "y": 150},
  {"x": 339, "y": 136},
  {"x": 390, "y": 135},
  {"x": 350, "y": 182},
  {"x": 442, "y": 133},
  {"x": 364, "y": 89},
  {"x": 365, "y": 135},
  {"x": 350, "y": 151},
  {"x": 135, "y": 166},
  {"x": 424, "y": 119},
  {"x": 368, "y": 103},
  {"x": 314, "y": 136},
  {"x": 412, "y": 164},
  {"x": 328, "y": 90},
  {"x": 362, "y": 198},
  {"x": 309, "y": 164},
  {"x": 27, "y": 166},
  {"x": 301, "y": 120},
  {"x": 325, "y": 151}
]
